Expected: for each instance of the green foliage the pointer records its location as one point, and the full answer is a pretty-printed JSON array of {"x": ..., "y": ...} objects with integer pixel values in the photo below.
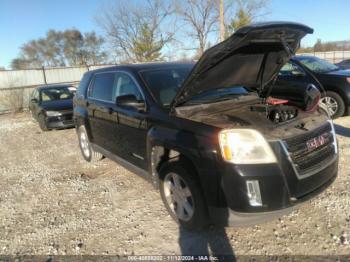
[
  {"x": 58, "y": 48},
  {"x": 247, "y": 12},
  {"x": 19, "y": 63},
  {"x": 145, "y": 48},
  {"x": 242, "y": 18}
]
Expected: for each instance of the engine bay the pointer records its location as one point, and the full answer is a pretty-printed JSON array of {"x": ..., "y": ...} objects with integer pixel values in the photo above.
[
  {"x": 276, "y": 110},
  {"x": 274, "y": 117}
]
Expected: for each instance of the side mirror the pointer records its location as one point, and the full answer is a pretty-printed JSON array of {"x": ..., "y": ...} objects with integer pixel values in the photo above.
[
  {"x": 34, "y": 100},
  {"x": 130, "y": 101}
]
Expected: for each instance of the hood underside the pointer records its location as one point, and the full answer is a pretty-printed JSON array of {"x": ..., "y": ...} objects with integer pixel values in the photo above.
[{"x": 251, "y": 57}]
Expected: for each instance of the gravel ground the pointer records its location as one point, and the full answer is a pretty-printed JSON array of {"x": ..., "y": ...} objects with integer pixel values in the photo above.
[{"x": 53, "y": 202}]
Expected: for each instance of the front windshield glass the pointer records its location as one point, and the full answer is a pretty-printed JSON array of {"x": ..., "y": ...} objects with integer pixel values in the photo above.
[
  {"x": 316, "y": 64},
  {"x": 57, "y": 93},
  {"x": 219, "y": 94},
  {"x": 165, "y": 83}
]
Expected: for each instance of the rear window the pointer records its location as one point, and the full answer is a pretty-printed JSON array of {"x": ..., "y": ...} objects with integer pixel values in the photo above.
[{"x": 102, "y": 88}]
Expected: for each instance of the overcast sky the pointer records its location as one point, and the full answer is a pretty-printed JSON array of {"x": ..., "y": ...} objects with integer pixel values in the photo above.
[{"x": 24, "y": 20}]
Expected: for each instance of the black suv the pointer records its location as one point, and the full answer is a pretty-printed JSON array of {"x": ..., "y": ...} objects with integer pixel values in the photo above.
[{"x": 208, "y": 135}]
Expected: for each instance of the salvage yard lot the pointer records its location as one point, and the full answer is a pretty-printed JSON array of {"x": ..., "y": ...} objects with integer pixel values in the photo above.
[{"x": 53, "y": 202}]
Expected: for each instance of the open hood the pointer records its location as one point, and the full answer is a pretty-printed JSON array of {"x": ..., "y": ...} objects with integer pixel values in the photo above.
[{"x": 251, "y": 57}]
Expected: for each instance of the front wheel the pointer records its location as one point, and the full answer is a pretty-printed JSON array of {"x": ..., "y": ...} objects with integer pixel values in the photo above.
[
  {"x": 42, "y": 122},
  {"x": 182, "y": 196},
  {"x": 334, "y": 103},
  {"x": 85, "y": 146}
]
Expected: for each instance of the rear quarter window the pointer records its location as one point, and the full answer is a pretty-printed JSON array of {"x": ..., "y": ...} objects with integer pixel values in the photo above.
[{"x": 84, "y": 82}]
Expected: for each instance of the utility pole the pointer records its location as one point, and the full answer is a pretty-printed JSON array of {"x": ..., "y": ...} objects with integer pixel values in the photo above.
[{"x": 221, "y": 20}]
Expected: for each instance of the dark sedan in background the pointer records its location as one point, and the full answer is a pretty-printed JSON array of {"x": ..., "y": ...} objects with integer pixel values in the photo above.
[
  {"x": 345, "y": 64},
  {"x": 292, "y": 80},
  {"x": 52, "y": 106}
]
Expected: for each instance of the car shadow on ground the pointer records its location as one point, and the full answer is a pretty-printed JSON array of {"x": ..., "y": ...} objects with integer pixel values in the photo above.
[
  {"x": 198, "y": 243},
  {"x": 342, "y": 130}
]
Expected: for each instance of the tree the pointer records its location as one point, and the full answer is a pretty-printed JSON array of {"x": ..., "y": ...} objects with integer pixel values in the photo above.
[
  {"x": 200, "y": 17},
  {"x": 321, "y": 46},
  {"x": 73, "y": 47},
  {"x": 58, "y": 48},
  {"x": 93, "y": 53},
  {"x": 137, "y": 31},
  {"x": 19, "y": 64},
  {"x": 247, "y": 12},
  {"x": 318, "y": 46}
]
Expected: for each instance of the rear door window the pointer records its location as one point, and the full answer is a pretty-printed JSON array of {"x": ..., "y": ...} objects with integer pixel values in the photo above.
[{"x": 102, "y": 87}]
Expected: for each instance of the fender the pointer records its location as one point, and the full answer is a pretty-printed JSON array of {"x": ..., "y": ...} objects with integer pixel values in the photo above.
[{"x": 164, "y": 143}]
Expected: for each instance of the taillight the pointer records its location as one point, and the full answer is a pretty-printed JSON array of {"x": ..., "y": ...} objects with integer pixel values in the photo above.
[{"x": 348, "y": 79}]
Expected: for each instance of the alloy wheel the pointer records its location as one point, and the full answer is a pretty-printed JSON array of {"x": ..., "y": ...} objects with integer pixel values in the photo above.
[
  {"x": 84, "y": 143},
  {"x": 330, "y": 103},
  {"x": 178, "y": 196}
]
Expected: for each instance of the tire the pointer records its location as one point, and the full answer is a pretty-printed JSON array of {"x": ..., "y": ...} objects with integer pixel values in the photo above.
[
  {"x": 335, "y": 103},
  {"x": 177, "y": 178},
  {"x": 42, "y": 124},
  {"x": 85, "y": 146}
]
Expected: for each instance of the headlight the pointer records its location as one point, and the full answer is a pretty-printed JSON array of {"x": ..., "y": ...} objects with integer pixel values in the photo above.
[
  {"x": 245, "y": 146},
  {"x": 53, "y": 113}
]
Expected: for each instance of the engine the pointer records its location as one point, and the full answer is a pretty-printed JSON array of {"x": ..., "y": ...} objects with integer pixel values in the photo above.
[
  {"x": 276, "y": 113},
  {"x": 282, "y": 110}
]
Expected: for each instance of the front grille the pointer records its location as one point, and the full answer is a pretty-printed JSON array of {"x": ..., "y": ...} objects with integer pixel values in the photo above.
[
  {"x": 68, "y": 122},
  {"x": 66, "y": 117},
  {"x": 307, "y": 159},
  {"x": 63, "y": 118}
]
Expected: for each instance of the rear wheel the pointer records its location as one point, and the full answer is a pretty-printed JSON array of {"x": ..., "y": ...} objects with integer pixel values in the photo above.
[
  {"x": 334, "y": 103},
  {"x": 85, "y": 146},
  {"x": 182, "y": 196}
]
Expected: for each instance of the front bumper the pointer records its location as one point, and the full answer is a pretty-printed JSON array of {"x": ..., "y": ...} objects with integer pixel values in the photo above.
[
  {"x": 59, "y": 122},
  {"x": 300, "y": 173},
  {"x": 281, "y": 189},
  {"x": 225, "y": 216}
]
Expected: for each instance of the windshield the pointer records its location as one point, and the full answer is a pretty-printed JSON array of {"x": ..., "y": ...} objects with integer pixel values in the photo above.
[
  {"x": 218, "y": 94},
  {"x": 57, "y": 93},
  {"x": 165, "y": 83},
  {"x": 316, "y": 64}
]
